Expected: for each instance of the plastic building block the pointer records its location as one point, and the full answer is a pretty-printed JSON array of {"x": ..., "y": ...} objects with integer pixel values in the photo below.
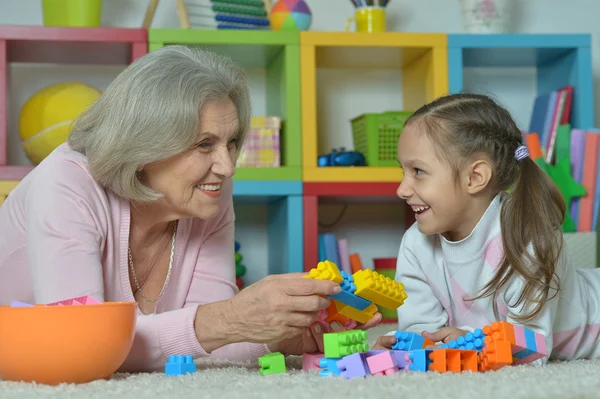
[
  {"x": 418, "y": 360},
  {"x": 453, "y": 360},
  {"x": 329, "y": 366},
  {"x": 326, "y": 271},
  {"x": 311, "y": 361},
  {"x": 401, "y": 358},
  {"x": 353, "y": 366},
  {"x": 82, "y": 300},
  {"x": 496, "y": 354},
  {"x": 383, "y": 364},
  {"x": 541, "y": 350},
  {"x": 408, "y": 341},
  {"x": 272, "y": 363},
  {"x": 17, "y": 304},
  {"x": 352, "y": 300},
  {"x": 362, "y": 316},
  {"x": 379, "y": 289},
  {"x": 180, "y": 365},
  {"x": 329, "y": 315},
  {"x": 470, "y": 341},
  {"x": 345, "y": 343},
  {"x": 526, "y": 348},
  {"x": 500, "y": 330}
]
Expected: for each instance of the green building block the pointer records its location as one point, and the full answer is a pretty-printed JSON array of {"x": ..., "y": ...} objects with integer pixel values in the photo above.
[
  {"x": 345, "y": 343},
  {"x": 272, "y": 363}
]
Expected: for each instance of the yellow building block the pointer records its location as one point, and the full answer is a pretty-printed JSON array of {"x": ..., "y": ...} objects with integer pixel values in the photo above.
[
  {"x": 326, "y": 271},
  {"x": 379, "y": 289},
  {"x": 361, "y": 316}
]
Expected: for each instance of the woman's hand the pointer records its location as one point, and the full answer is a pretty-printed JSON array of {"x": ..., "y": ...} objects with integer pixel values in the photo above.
[
  {"x": 278, "y": 307},
  {"x": 311, "y": 340}
]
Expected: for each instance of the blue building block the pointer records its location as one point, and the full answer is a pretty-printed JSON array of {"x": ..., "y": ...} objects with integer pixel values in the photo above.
[
  {"x": 419, "y": 360},
  {"x": 471, "y": 341},
  {"x": 179, "y": 365},
  {"x": 408, "y": 341},
  {"x": 347, "y": 295},
  {"x": 328, "y": 366}
]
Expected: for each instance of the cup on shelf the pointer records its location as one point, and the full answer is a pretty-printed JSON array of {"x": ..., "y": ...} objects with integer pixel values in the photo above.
[{"x": 368, "y": 19}]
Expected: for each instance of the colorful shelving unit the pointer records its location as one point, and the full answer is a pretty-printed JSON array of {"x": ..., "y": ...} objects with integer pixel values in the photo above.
[
  {"x": 431, "y": 65},
  {"x": 422, "y": 58},
  {"x": 38, "y": 44},
  {"x": 278, "y": 188},
  {"x": 559, "y": 60}
]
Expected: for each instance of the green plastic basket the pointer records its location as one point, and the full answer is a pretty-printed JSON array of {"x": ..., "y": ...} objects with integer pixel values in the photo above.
[
  {"x": 376, "y": 136},
  {"x": 72, "y": 13}
]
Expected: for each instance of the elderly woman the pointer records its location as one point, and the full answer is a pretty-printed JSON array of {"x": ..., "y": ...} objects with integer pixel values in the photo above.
[{"x": 137, "y": 206}]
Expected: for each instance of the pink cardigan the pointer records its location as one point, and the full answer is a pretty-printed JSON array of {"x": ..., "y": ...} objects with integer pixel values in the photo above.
[{"x": 63, "y": 236}]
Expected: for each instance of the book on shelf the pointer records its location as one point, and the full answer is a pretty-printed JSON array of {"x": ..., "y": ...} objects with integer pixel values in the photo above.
[
  {"x": 336, "y": 250},
  {"x": 228, "y": 14},
  {"x": 551, "y": 123}
]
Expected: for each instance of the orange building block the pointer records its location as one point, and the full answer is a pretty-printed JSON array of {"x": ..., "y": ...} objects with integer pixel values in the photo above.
[
  {"x": 501, "y": 331},
  {"x": 496, "y": 354},
  {"x": 453, "y": 360}
]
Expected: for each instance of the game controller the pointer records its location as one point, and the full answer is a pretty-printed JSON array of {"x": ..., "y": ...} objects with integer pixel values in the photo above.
[{"x": 342, "y": 157}]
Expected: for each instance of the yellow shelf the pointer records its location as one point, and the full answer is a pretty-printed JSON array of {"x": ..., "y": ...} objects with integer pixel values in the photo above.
[
  {"x": 422, "y": 59},
  {"x": 6, "y": 186},
  {"x": 353, "y": 174}
]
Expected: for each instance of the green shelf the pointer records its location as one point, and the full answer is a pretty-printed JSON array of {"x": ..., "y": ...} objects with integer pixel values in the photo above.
[{"x": 278, "y": 53}]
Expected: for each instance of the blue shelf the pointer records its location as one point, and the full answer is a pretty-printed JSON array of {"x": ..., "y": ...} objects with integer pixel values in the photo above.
[
  {"x": 560, "y": 60},
  {"x": 283, "y": 200}
]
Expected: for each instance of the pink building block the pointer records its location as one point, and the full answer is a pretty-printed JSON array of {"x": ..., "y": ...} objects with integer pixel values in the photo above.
[
  {"x": 82, "y": 300},
  {"x": 382, "y": 364},
  {"x": 311, "y": 361},
  {"x": 520, "y": 340}
]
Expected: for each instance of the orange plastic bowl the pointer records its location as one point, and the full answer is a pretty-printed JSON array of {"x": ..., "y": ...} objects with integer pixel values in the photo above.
[{"x": 71, "y": 344}]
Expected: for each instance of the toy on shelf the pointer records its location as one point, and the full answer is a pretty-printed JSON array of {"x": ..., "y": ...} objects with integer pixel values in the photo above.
[
  {"x": 46, "y": 117},
  {"x": 291, "y": 15},
  {"x": 182, "y": 14},
  {"x": 369, "y": 16},
  {"x": 376, "y": 136},
  {"x": 341, "y": 157},
  {"x": 240, "y": 270},
  {"x": 261, "y": 146},
  {"x": 227, "y": 14},
  {"x": 72, "y": 13}
]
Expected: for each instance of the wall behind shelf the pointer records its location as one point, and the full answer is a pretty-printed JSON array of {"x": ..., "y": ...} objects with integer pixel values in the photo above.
[{"x": 534, "y": 16}]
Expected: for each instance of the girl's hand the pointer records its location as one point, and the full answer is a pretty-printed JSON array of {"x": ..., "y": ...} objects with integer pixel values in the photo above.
[
  {"x": 444, "y": 334},
  {"x": 311, "y": 341},
  {"x": 384, "y": 343}
]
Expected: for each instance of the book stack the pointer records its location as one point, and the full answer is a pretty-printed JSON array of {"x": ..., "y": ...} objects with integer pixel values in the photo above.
[
  {"x": 227, "y": 14},
  {"x": 570, "y": 155},
  {"x": 336, "y": 251}
]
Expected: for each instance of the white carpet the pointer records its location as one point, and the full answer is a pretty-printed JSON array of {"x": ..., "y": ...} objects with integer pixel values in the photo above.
[{"x": 579, "y": 379}]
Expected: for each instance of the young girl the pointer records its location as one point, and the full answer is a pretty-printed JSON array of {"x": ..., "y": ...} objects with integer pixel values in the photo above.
[{"x": 487, "y": 243}]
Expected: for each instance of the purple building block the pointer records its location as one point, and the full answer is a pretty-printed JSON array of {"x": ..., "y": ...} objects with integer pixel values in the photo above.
[{"x": 353, "y": 366}]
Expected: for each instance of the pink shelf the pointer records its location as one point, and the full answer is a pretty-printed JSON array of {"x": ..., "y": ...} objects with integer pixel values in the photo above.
[{"x": 57, "y": 45}]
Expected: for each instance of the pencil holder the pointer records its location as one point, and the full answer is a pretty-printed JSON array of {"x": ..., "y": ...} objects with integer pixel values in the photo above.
[
  {"x": 81, "y": 13},
  {"x": 368, "y": 19}
]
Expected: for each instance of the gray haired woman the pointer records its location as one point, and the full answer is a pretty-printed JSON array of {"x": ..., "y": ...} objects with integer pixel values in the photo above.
[{"x": 137, "y": 206}]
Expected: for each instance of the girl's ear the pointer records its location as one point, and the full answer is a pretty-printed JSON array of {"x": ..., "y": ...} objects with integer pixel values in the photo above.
[{"x": 479, "y": 174}]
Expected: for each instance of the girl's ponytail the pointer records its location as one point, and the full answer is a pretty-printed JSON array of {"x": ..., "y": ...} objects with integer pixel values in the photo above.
[{"x": 531, "y": 221}]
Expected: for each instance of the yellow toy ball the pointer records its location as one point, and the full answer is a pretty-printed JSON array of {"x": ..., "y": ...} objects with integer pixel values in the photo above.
[{"x": 46, "y": 117}]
